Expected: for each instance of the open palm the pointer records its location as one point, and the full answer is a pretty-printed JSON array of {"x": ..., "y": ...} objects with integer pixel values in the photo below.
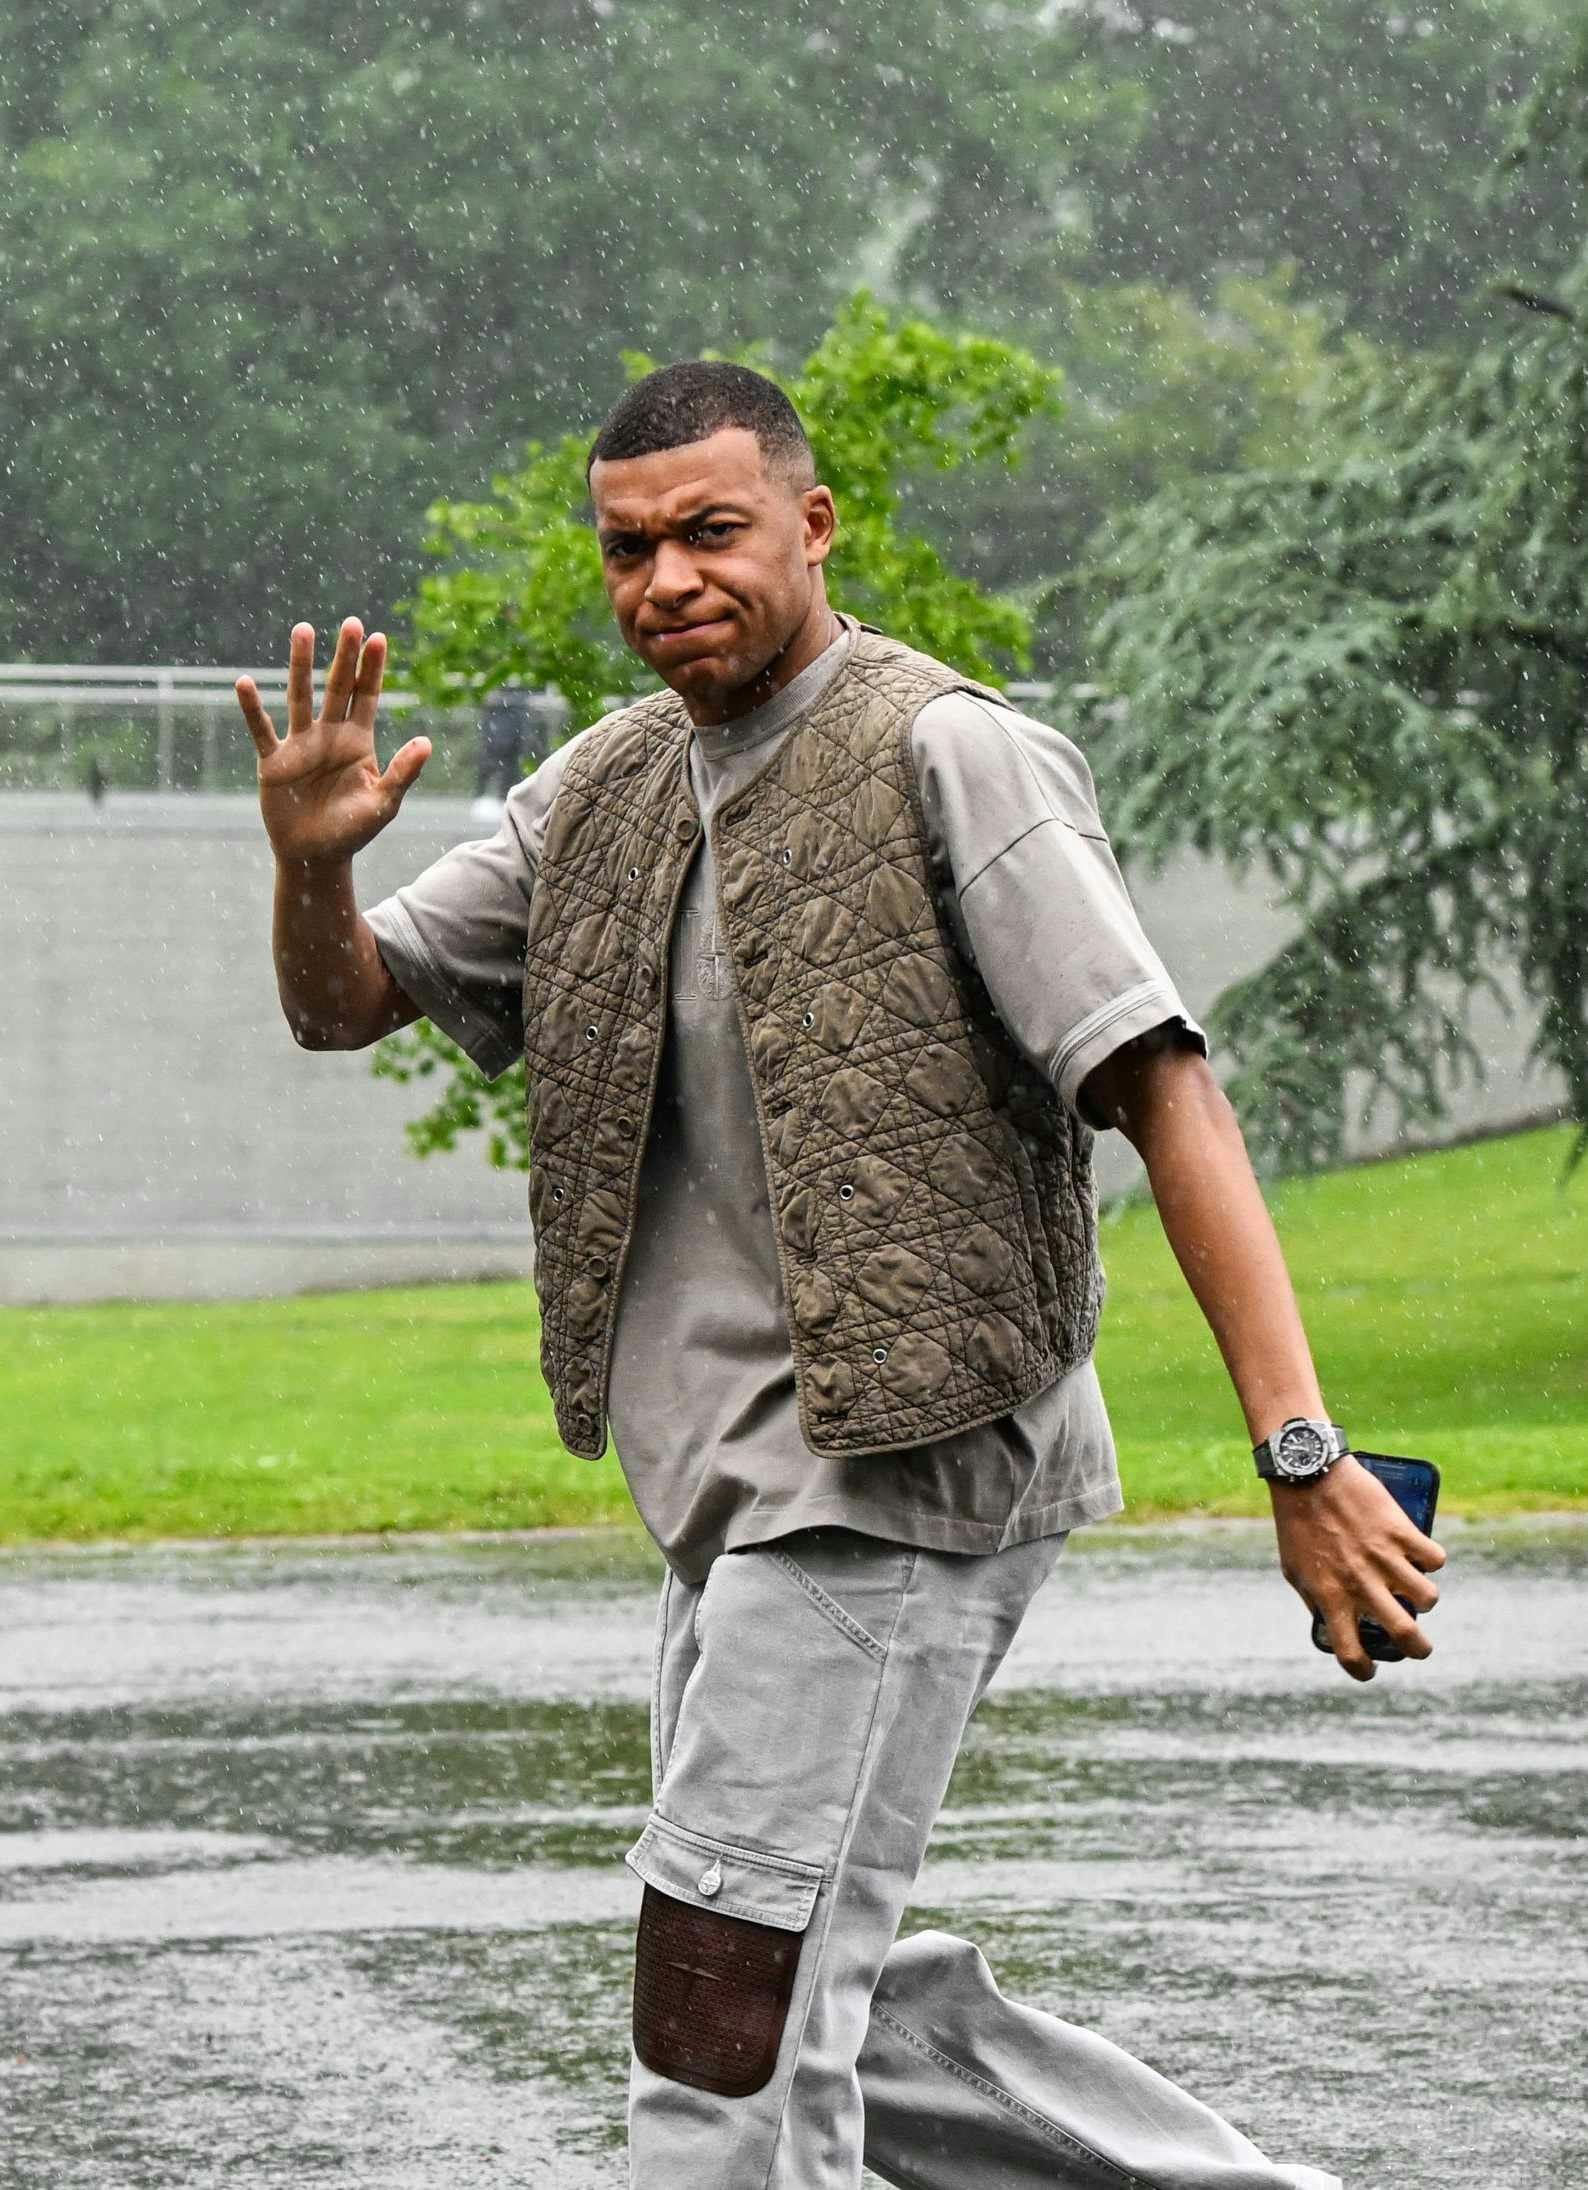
[{"x": 322, "y": 791}]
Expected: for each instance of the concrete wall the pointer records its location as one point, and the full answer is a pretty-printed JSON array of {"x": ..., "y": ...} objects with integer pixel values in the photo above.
[{"x": 163, "y": 1136}]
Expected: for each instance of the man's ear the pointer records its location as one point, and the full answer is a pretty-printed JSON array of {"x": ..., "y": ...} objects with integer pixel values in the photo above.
[{"x": 821, "y": 523}]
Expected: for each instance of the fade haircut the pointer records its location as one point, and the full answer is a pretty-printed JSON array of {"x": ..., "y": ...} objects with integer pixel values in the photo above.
[{"x": 678, "y": 404}]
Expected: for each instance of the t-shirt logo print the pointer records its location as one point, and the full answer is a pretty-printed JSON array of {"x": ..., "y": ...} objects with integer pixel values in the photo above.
[{"x": 705, "y": 970}]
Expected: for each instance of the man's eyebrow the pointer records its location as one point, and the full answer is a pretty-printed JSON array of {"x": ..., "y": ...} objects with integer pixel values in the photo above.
[{"x": 684, "y": 519}]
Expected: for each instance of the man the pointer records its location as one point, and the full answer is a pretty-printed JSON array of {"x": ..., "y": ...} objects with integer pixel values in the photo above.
[
  {"x": 824, "y": 975},
  {"x": 504, "y": 734}
]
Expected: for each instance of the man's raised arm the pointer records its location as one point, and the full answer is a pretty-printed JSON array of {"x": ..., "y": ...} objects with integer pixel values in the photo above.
[{"x": 323, "y": 797}]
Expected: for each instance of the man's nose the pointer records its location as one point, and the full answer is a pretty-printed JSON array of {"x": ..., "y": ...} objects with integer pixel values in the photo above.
[{"x": 673, "y": 575}]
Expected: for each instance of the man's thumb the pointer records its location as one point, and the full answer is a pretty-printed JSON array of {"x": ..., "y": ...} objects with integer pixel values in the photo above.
[{"x": 404, "y": 767}]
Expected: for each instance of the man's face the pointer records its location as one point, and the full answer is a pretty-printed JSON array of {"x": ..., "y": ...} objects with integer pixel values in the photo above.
[{"x": 709, "y": 561}]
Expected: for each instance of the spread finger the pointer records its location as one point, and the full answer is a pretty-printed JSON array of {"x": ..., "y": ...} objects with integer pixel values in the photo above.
[
  {"x": 260, "y": 727},
  {"x": 371, "y": 669},
  {"x": 300, "y": 679},
  {"x": 344, "y": 668}
]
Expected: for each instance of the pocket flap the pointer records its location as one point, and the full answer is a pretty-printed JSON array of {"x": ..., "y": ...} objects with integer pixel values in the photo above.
[{"x": 718, "y": 1874}]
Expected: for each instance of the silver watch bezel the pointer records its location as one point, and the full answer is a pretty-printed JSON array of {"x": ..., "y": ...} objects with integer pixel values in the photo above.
[{"x": 1327, "y": 1437}]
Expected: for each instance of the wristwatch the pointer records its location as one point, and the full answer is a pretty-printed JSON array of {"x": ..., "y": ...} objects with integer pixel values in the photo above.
[{"x": 1301, "y": 1450}]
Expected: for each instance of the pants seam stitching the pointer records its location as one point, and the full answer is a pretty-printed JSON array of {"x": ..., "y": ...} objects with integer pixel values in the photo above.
[
  {"x": 791, "y": 1866},
  {"x": 1005, "y": 2099},
  {"x": 658, "y": 1657},
  {"x": 844, "y": 1621},
  {"x": 844, "y": 1839}
]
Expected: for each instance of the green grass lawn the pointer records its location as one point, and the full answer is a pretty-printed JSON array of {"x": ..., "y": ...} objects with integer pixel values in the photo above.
[{"x": 1445, "y": 1296}]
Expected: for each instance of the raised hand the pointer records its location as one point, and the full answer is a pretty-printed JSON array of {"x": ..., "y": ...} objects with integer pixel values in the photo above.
[{"x": 322, "y": 791}]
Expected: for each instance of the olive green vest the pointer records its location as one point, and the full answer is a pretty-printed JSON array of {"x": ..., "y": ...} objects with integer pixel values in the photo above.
[{"x": 932, "y": 1197}]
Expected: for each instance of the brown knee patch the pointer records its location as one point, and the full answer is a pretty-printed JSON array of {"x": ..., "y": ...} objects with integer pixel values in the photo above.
[{"x": 711, "y": 1995}]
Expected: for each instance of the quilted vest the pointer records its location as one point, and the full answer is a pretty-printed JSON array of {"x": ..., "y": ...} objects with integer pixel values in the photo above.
[{"x": 932, "y": 1198}]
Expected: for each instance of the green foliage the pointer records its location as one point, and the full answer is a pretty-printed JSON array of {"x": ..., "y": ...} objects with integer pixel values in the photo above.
[
  {"x": 525, "y": 600},
  {"x": 1370, "y": 674},
  {"x": 1160, "y": 387},
  {"x": 272, "y": 280},
  {"x": 886, "y": 400},
  {"x": 883, "y": 399},
  {"x": 1351, "y": 136}
]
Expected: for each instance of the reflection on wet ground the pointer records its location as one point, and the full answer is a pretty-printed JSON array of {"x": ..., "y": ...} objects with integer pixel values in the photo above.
[{"x": 310, "y": 1857}]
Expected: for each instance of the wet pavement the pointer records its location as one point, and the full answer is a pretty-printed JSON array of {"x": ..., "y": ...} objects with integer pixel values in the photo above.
[{"x": 310, "y": 1857}]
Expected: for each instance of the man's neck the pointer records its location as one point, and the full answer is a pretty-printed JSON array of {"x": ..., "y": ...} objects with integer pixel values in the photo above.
[{"x": 812, "y": 637}]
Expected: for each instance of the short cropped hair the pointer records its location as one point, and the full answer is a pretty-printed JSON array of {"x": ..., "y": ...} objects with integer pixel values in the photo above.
[{"x": 678, "y": 404}]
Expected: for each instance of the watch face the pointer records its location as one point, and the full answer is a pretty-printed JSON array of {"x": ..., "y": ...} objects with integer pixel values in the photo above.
[{"x": 1302, "y": 1450}]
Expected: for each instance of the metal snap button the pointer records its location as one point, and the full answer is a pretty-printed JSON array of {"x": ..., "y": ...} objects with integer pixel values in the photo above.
[
  {"x": 710, "y": 1882},
  {"x": 686, "y": 825},
  {"x": 625, "y": 1125},
  {"x": 597, "y": 1266},
  {"x": 879, "y": 1353}
]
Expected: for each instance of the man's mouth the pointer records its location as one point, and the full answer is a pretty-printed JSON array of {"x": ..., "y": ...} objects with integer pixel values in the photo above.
[{"x": 678, "y": 637}]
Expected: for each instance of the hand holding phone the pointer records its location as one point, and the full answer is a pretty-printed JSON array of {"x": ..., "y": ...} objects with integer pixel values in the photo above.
[
  {"x": 1352, "y": 1551},
  {"x": 1414, "y": 1485}
]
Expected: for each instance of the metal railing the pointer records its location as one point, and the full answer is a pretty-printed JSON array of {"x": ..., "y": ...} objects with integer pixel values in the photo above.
[
  {"x": 162, "y": 727},
  {"x": 168, "y": 728},
  {"x": 66, "y": 691}
]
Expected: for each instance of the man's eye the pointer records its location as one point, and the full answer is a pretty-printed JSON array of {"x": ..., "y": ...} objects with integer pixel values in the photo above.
[
  {"x": 718, "y": 530},
  {"x": 616, "y": 550}
]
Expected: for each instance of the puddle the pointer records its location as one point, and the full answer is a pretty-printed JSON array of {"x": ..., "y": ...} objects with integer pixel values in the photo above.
[{"x": 310, "y": 1858}]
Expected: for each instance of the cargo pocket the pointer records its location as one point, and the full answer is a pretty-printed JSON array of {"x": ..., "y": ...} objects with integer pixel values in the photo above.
[{"x": 719, "y": 1943}]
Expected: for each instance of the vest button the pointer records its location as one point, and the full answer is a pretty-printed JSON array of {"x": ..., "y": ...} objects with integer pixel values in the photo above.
[
  {"x": 598, "y": 1266},
  {"x": 686, "y": 824}
]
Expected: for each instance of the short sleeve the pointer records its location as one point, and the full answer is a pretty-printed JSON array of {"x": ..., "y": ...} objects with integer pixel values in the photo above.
[
  {"x": 453, "y": 938},
  {"x": 1034, "y": 893}
]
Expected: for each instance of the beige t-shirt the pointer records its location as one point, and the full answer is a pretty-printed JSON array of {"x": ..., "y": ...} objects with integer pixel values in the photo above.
[{"x": 702, "y": 1397}]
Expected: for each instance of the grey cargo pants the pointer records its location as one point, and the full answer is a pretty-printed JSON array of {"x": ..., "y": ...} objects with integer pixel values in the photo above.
[{"x": 810, "y": 1697}]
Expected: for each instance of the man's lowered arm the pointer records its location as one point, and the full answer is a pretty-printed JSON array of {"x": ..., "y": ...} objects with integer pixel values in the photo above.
[{"x": 1345, "y": 1546}]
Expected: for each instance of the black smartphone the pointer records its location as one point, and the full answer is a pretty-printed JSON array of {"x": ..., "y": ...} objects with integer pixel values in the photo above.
[{"x": 1414, "y": 1486}]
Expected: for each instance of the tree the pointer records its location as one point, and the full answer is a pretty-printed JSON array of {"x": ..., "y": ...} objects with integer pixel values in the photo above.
[
  {"x": 1161, "y": 389},
  {"x": 1371, "y": 673},
  {"x": 1350, "y": 136},
  {"x": 884, "y": 399},
  {"x": 272, "y": 279}
]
